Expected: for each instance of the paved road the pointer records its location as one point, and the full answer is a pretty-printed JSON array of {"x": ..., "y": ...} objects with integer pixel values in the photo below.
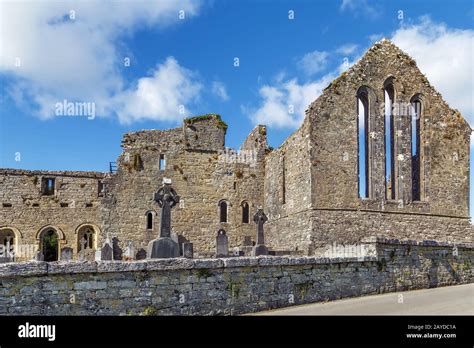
[{"x": 451, "y": 300}]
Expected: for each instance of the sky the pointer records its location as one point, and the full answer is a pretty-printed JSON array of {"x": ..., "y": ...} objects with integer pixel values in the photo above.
[{"x": 149, "y": 64}]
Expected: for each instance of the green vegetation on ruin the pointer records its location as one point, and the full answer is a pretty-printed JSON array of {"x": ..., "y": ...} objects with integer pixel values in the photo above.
[{"x": 221, "y": 124}]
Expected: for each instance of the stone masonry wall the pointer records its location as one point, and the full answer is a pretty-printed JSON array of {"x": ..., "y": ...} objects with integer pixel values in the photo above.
[
  {"x": 226, "y": 286},
  {"x": 203, "y": 173},
  {"x": 26, "y": 211},
  {"x": 288, "y": 190},
  {"x": 321, "y": 160}
]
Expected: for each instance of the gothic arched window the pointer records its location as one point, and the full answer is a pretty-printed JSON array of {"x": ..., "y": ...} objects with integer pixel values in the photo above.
[
  {"x": 223, "y": 211},
  {"x": 149, "y": 220}
]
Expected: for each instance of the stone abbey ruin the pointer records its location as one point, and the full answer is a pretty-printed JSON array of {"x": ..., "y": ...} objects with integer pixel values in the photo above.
[{"x": 353, "y": 170}]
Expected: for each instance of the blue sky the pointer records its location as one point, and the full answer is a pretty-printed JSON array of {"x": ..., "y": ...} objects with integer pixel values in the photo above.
[{"x": 80, "y": 55}]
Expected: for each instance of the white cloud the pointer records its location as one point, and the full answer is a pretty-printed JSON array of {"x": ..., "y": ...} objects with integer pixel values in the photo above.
[
  {"x": 445, "y": 55},
  {"x": 347, "y": 49},
  {"x": 313, "y": 62},
  {"x": 161, "y": 96},
  {"x": 375, "y": 37},
  {"x": 218, "y": 89},
  {"x": 283, "y": 105},
  {"x": 76, "y": 59},
  {"x": 358, "y": 7}
]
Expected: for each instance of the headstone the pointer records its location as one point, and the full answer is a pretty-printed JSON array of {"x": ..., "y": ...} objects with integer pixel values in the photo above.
[
  {"x": 107, "y": 252},
  {"x": 39, "y": 256},
  {"x": 129, "y": 253},
  {"x": 222, "y": 244},
  {"x": 116, "y": 250},
  {"x": 141, "y": 254},
  {"x": 188, "y": 250},
  {"x": 260, "y": 218},
  {"x": 164, "y": 246},
  {"x": 82, "y": 247},
  {"x": 66, "y": 254},
  {"x": 98, "y": 255},
  {"x": 6, "y": 251},
  {"x": 236, "y": 251},
  {"x": 175, "y": 237},
  {"x": 247, "y": 241}
]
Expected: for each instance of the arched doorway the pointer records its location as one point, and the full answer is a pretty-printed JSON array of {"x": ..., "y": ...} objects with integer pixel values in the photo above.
[
  {"x": 7, "y": 241},
  {"x": 50, "y": 244}
]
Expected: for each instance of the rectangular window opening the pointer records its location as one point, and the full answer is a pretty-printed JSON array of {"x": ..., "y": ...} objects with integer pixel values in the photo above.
[
  {"x": 47, "y": 187},
  {"x": 162, "y": 162}
]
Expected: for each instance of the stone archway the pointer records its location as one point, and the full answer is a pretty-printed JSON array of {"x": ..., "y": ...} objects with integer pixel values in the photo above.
[
  {"x": 49, "y": 242},
  {"x": 8, "y": 242}
]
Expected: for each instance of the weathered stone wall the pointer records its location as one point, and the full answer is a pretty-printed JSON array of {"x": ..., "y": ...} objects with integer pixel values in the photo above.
[
  {"x": 308, "y": 186},
  {"x": 225, "y": 286},
  {"x": 26, "y": 211},
  {"x": 288, "y": 190},
  {"x": 352, "y": 226},
  {"x": 330, "y": 173},
  {"x": 203, "y": 173}
]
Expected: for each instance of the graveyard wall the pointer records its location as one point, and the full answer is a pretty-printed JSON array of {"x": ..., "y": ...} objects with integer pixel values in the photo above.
[{"x": 227, "y": 286}]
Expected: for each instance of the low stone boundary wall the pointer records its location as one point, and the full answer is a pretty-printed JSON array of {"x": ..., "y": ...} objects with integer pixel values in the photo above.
[{"x": 226, "y": 286}]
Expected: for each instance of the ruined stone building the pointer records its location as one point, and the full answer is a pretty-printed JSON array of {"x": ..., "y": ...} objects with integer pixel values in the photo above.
[{"x": 379, "y": 153}]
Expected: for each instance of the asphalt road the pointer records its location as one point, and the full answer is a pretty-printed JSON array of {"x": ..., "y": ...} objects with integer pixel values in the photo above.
[{"x": 451, "y": 300}]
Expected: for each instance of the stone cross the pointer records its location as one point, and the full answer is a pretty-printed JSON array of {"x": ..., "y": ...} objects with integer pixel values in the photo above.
[
  {"x": 166, "y": 198},
  {"x": 82, "y": 247},
  {"x": 9, "y": 249},
  {"x": 260, "y": 218},
  {"x": 164, "y": 246},
  {"x": 83, "y": 242}
]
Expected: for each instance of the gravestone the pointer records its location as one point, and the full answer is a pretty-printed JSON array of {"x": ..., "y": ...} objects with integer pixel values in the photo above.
[
  {"x": 66, "y": 254},
  {"x": 188, "y": 250},
  {"x": 98, "y": 255},
  {"x": 107, "y": 252},
  {"x": 129, "y": 253},
  {"x": 82, "y": 247},
  {"x": 6, "y": 251},
  {"x": 236, "y": 251},
  {"x": 116, "y": 250},
  {"x": 175, "y": 237},
  {"x": 39, "y": 256},
  {"x": 222, "y": 244},
  {"x": 247, "y": 241},
  {"x": 164, "y": 246},
  {"x": 4, "y": 259},
  {"x": 141, "y": 254},
  {"x": 260, "y": 249}
]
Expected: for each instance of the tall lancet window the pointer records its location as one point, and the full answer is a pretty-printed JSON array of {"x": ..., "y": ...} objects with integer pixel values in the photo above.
[
  {"x": 389, "y": 141},
  {"x": 363, "y": 143},
  {"x": 416, "y": 112}
]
